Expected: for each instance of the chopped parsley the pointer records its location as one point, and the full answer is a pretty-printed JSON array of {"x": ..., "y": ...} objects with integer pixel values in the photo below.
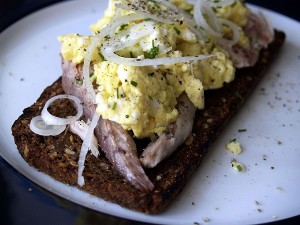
[
  {"x": 114, "y": 106},
  {"x": 239, "y": 167},
  {"x": 123, "y": 26},
  {"x": 117, "y": 89},
  {"x": 233, "y": 4},
  {"x": 102, "y": 57},
  {"x": 237, "y": 94},
  {"x": 131, "y": 54},
  {"x": 133, "y": 83},
  {"x": 79, "y": 82},
  {"x": 242, "y": 130},
  {"x": 232, "y": 140},
  {"x": 190, "y": 10},
  {"x": 212, "y": 47},
  {"x": 154, "y": 3},
  {"x": 176, "y": 30},
  {"x": 153, "y": 51}
]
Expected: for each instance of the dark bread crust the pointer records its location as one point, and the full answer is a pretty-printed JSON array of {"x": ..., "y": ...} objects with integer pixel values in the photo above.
[{"x": 58, "y": 155}]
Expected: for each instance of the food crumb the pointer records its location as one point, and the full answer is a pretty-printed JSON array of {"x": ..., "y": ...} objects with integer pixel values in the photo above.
[
  {"x": 237, "y": 166},
  {"x": 234, "y": 147},
  {"x": 158, "y": 177},
  {"x": 29, "y": 189},
  {"x": 193, "y": 203},
  {"x": 279, "y": 189},
  {"x": 256, "y": 202},
  {"x": 274, "y": 217},
  {"x": 206, "y": 219},
  {"x": 242, "y": 130},
  {"x": 189, "y": 140},
  {"x": 259, "y": 210},
  {"x": 196, "y": 223}
]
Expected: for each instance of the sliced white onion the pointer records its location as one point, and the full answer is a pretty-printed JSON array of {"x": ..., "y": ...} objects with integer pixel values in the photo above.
[
  {"x": 206, "y": 18},
  {"x": 165, "y": 51},
  {"x": 108, "y": 30},
  {"x": 236, "y": 31},
  {"x": 176, "y": 9},
  {"x": 86, "y": 67},
  {"x": 131, "y": 36},
  {"x": 187, "y": 17},
  {"x": 80, "y": 128},
  {"x": 38, "y": 126},
  {"x": 136, "y": 33},
  {"x": 111, "y": 56},
  {"x": 54, "y": 120},
  {"x": 220, "y": 3},
  {"x": 86, "y": 145}
]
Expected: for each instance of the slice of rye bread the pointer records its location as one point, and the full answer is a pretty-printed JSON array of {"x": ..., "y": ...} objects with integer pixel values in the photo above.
[{"x": 58, "y": 155}]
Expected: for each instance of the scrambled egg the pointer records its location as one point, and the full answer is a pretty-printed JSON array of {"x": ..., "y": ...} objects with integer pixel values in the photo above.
[
  {"x": 143, "y": 99},
  {"x": 74, "y": 47},
  {"x": 234, "y": 147},
  {"x": 124, "y": 88}
]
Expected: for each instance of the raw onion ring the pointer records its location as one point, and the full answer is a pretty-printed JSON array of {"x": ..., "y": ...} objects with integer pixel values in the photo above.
[
  {"x": 80, "y": 128},
  {"x": 139, "y": 31},
  {"x": 220, "y": 3},
  {"x": 85, "y": 147},
  {"x": 54, "y": 120},
  {"x": 206, "y": 18},
  {"x": 38, "y": 126},
  {"x": 236, "y": 30}
]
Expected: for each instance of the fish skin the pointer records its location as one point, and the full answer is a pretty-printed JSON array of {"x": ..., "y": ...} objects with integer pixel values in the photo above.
[
  {"x": 167, "y": 143},
  {"x": 260, "y": 35},
  {"x": 115, "y": 142}
]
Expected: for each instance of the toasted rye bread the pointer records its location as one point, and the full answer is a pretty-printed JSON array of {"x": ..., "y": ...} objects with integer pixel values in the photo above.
[{"x": 58, "y": 155}]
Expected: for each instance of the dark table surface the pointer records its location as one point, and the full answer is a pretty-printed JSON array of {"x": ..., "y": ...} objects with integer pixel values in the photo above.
[{"x": 21, "y": 201}]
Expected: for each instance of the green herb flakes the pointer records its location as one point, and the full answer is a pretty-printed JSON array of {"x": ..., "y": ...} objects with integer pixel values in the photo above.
[
  {"x": 242, "y": 130},
  {"x": 177, "y": 31},
  {"x": 114, "y": 106},
  {"x": 79, "y": 82},
  {"x": 237, "y": 166},
  {"x": 153, "y": 51},
  {"x": 133, "y": 83}
]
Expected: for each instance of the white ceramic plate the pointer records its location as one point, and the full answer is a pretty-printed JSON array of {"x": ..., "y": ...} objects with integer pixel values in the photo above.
[{"x": 267, "y": 191}]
